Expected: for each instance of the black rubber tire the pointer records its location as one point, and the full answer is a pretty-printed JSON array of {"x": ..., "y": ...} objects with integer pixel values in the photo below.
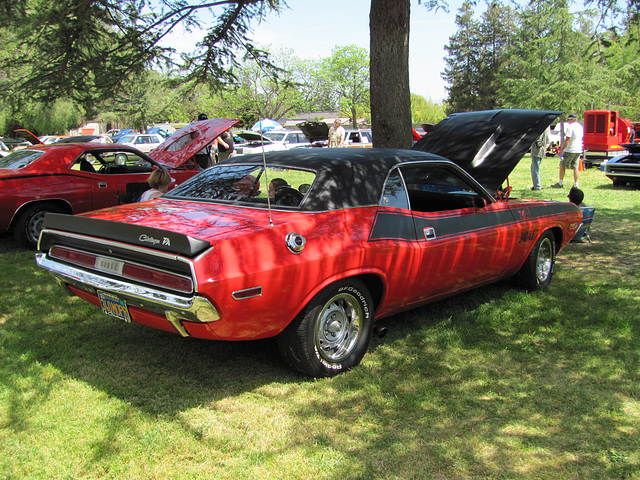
[
  {"x": 29, "y": 224},
  {"x": 618, "y": 182},
  {"x": 537, "y": 271},
  {"x": 332, "y": 333}
]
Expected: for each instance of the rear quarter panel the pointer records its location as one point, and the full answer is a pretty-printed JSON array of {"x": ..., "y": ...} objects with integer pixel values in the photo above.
[
  {"x": 336, "y": 247},
  {"x": 534, "y": 217}
]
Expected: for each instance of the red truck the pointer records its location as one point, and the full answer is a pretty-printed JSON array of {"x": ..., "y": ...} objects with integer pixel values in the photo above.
[{"x": 604, "y": 133}]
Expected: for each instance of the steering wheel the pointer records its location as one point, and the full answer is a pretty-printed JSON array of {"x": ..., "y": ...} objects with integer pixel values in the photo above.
[{"x": 288, "y": 196}]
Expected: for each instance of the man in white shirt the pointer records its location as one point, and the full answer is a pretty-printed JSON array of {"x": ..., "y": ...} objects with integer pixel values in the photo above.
[{"x": 570, "y": 151}]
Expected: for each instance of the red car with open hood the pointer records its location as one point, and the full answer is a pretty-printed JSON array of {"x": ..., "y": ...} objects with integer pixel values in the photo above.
[
  {"x": 314, "y": 246},
  {"x": 79, "y": 177}
]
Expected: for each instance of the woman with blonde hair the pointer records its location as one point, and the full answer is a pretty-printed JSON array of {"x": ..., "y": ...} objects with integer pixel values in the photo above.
[{"x": 159, "y": 181}]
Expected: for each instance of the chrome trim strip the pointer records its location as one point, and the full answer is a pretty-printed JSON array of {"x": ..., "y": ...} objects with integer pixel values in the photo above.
[
  {"x": 174, "y": 307},
  {"x": 126, "y": 246},
  {"x": 242, "y": 294}
]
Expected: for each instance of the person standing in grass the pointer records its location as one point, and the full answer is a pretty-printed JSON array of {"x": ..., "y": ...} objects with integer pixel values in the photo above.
[
  {"x": 538, "y": 151},
  {"x": 336, "y": 134},
  {"x": 570, "y": 151}
]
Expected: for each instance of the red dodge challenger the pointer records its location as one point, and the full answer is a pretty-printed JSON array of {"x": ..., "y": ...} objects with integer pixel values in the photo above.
[{"x": 313, "y": 246}]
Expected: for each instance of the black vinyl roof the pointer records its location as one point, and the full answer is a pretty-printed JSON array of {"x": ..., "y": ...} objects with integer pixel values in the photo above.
[{"x": 345, "y": 177}]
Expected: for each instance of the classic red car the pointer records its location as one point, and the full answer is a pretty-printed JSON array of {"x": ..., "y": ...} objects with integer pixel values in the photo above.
[
  {"x": 78, "y": 177},
  {"x": 349, "y": 236}
]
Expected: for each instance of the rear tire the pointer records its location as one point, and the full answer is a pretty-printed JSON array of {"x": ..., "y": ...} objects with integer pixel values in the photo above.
[
  {"x": 537, "y": 271},
  {"x": 29, "y": 224},
  {"x": 618, "y": 182},
  {"x": 332, "y": 333}
]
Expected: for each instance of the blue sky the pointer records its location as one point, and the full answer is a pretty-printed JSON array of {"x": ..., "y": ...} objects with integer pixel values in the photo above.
[{"x": 312, "y": 29}]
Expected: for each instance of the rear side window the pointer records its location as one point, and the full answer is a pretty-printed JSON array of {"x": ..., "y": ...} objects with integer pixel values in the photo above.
[{"x": 394, "y": 194}]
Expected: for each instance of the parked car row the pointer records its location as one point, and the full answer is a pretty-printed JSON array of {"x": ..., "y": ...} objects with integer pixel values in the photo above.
[{"x": 318, "y": 135}]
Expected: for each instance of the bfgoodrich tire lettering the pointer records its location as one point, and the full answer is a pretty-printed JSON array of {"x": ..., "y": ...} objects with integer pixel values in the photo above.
[
  {"x": 537, "y": 271},
  {"x": 332, "y": 332}
]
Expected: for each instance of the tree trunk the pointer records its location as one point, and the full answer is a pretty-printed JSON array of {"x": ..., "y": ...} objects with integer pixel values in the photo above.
[{"x": 389, "y": 64}]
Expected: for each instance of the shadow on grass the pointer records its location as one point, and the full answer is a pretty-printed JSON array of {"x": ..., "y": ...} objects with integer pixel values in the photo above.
[
  {"x": 158, "y": 372},
  {"x": 477, "y": 385},
  {"x": 503, "y": 383},
  {"x": 497, "y": 383}
]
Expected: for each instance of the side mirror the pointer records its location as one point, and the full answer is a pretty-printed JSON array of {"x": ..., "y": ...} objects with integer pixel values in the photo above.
[{"x": 479, "y": 202}]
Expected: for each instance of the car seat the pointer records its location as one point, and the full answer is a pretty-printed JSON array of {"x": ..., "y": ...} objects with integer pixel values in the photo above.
[{"x": 85, "y": 166}]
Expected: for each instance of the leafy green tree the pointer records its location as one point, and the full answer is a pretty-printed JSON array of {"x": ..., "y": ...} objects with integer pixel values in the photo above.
[
  {"x": 424, "y": 111},
  {"x": 461, "y": 70},
  {"x": 551, "y": 64},
  {"x": 476, "y": 54},
  {"x": 497, "y": 28},
  {"x": 261, "y": 94},
  {"x": 616, "y": 54},
  {"x": 40, "y": 118},
  {"x": 348, "y": 73},
  {"x": 88, "y": 49}
]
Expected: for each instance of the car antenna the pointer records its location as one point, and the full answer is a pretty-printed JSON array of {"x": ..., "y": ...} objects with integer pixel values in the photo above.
[{"x": 266, "y": 177}]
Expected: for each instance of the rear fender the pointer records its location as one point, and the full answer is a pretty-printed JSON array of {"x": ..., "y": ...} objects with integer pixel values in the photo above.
[{"x": 61, "y": 204}]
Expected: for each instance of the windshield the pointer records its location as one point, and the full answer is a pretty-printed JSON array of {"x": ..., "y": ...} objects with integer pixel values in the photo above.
[
  {"x": 127, "y": 139},
  {"x": 248, "y": 183},
  {"x": 276, "y": 137},
  {"x": 20, "y": 158}
]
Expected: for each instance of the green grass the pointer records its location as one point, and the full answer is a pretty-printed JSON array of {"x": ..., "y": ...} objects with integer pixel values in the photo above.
[{"x": 495, "y": 383}]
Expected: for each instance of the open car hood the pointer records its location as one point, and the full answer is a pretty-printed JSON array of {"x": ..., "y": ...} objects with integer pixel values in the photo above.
[
  {"x": 487, "y": 144},
  {"x": 631, "y": 147},
  {"x": 180, "y": 146},
  {"x": 28, "y": 136},
  {"x": 315, "y": 131},
  {"x": 249, "y": 136}
]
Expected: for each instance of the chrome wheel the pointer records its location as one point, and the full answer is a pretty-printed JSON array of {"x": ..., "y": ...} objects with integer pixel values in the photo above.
[
  {"x": 34, "y": 227},
  {"x": 544, "y": 260},
  {"x": 339, "y": 327},
  {"x": 537, "y": 270},
  {"x": 332, "y": 333}
]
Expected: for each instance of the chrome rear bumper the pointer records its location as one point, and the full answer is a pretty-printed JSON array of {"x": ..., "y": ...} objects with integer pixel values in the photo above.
[{"x": 175, "y": 308}]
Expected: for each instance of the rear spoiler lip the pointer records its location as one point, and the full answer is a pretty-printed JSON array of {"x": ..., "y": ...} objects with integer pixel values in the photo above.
[{"x": 142, "y": 236}]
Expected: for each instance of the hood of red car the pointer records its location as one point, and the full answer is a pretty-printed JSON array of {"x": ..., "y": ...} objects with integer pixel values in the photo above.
[
  {"x": 28, "y": 136},
  {"x": 186, "y": 142},
  {"x": 487, "y": 144}
]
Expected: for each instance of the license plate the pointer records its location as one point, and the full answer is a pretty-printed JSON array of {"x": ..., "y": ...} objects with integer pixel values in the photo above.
[
  {"x": 109, "y": 265},
  {"x": 112, "y": 305}
]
